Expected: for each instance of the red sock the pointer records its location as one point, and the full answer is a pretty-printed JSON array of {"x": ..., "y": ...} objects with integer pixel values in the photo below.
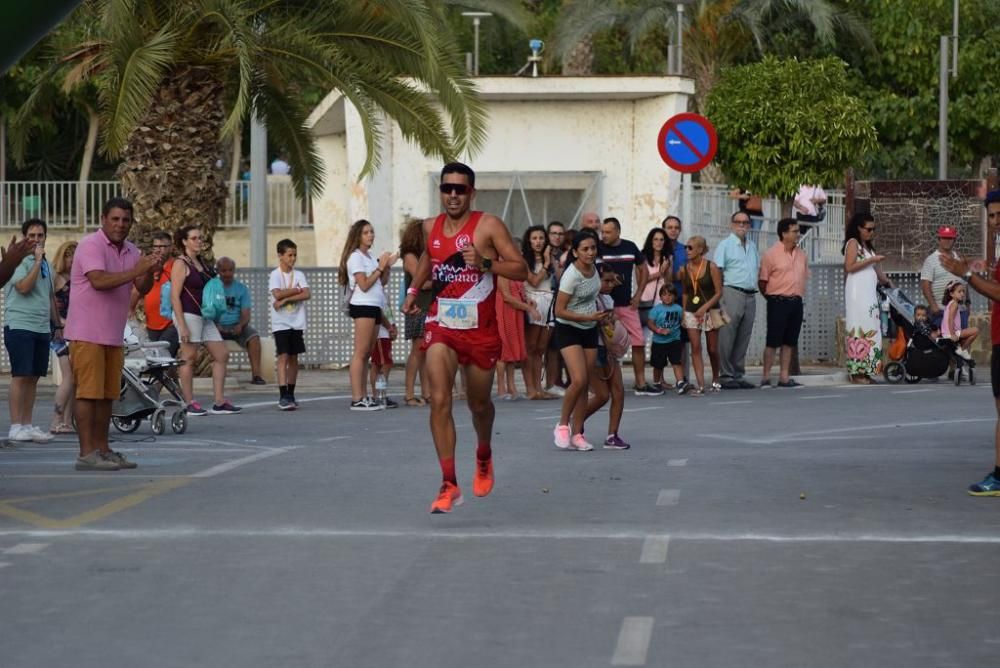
[
  {"x": 484, "y": 452},
  {"x": 448, "y": 470}
]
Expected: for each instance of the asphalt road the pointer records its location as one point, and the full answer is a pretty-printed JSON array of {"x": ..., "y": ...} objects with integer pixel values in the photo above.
[{"x": 812, "y": 527}]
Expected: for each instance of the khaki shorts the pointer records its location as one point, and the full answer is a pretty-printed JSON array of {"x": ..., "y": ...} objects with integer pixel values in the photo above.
[
  {"x": 97, "y": 370},
  {"x": 201, "y": 330}
]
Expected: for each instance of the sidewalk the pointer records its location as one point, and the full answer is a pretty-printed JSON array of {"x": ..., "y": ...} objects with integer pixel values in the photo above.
[{"x": 338, "y": 382}]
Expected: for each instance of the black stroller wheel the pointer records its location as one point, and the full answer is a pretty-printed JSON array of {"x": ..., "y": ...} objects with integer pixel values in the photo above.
[
  {"x": 912, "y": 379},
  {"x": 894, "y": 373},
  {"x": 958, "y": 375},
  {"x": 972, "y": 376},
  {"x": 126, "y": 425}
]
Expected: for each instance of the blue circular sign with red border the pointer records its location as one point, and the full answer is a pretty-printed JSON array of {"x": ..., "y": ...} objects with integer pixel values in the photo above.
[{"x": 687, "y": 142}]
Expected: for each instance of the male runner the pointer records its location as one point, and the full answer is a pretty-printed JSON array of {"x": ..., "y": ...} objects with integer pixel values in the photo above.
[{"x": 464, "y": 249}]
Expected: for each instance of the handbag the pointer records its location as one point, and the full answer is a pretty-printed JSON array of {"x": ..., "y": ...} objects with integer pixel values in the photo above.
[{"x": 717, "y": 318}]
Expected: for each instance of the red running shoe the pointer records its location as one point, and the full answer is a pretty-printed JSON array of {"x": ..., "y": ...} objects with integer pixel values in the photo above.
[
  {"x": 448, "y": 497},
  {"x": 482, "y": 479}
]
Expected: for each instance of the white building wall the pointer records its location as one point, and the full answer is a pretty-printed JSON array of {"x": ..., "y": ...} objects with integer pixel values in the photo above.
[{"x": 614, "y": 137}]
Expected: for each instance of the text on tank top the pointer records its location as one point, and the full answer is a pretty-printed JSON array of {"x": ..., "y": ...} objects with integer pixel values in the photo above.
[{"x": 464, "y": 296}]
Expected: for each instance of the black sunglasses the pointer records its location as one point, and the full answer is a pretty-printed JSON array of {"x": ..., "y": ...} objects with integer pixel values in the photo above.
[
  {"x": 868, "y": 229},
  {"x": 457, "y": 188},
  {"x": 689, "y": 247}
]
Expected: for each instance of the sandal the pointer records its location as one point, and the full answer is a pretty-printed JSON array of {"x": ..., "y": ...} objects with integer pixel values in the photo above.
[
  {"x": 415, "y": 402},
  {"x": 62, "y": 428}
]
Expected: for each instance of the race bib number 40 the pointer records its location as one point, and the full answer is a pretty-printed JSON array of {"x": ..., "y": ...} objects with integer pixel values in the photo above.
[{"x": 458, "y": 313}]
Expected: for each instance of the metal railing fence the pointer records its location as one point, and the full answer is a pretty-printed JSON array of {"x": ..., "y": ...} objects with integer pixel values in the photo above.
[{"x": 70, "y": 205}]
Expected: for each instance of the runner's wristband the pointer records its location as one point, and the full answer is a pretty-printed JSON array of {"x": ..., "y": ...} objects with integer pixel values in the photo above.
[{"x": 411, "y": 291}]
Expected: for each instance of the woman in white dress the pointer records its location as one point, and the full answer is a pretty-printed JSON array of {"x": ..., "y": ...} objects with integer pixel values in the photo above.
[
  {"x": 538, "y": 292},
  {"x": 863, "y": 327}
]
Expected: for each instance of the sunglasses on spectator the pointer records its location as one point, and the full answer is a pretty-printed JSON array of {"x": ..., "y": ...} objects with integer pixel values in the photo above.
[
  {"x": 689, "y": 247},
  {"x": 457, "y": 188},
  {"x": 868, "y": 229}
]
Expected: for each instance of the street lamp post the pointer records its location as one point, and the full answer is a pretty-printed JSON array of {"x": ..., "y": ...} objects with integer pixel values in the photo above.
[{"x": 476, "y": 18}]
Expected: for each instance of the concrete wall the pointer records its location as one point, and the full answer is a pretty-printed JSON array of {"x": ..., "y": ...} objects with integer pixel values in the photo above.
[{"x": 601, "y": 125}]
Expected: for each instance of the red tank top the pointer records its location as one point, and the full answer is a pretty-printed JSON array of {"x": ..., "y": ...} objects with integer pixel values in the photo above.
[{"x": 453, "y": 279}]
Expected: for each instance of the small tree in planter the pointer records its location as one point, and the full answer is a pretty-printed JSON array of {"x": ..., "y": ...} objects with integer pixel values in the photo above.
[{"x": 782, "y": 123}]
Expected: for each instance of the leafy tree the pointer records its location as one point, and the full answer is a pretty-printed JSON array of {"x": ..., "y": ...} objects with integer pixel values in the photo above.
[
  {"x": 900, "y": 84},
  {"x": 175, "y": 79},
  {"x": 717, "y": 33},
  {"x": 782, "y": 123}
]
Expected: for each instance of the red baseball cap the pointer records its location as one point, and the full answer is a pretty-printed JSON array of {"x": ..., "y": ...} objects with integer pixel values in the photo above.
[{"x": 947, "y": 232}]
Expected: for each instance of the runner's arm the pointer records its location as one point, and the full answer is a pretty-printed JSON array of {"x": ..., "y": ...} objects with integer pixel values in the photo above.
[
  {"x": 510, "y": 262},
  {"x": 984, "y": 286}
]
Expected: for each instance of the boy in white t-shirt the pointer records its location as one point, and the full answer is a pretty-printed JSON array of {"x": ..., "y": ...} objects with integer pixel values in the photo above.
[
  {"x": 381, "y": 357},
  {"x": 288, "y": 320}
]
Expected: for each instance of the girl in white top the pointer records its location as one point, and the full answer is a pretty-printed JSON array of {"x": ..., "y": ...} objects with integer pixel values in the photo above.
[
  {"x": 576, "y": 335},
  {"x": 538, "y": 291},
  {"x": 364, "y": 279}
]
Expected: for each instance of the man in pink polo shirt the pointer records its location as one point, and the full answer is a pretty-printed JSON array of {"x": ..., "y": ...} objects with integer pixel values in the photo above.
[
  {"x": 105, "y": 268},
  {"x": 782, "y": 280}
]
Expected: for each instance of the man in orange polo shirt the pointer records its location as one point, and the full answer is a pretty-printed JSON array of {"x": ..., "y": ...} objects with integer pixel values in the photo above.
[
  {"x": 159, "y": 328},
  {"x": 782, "y": 280}
]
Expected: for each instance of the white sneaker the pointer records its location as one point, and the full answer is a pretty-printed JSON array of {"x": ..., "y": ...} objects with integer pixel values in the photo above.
[
  {"x": 963, "y": 353},
  {"x": 37, "y": 435},
  {"x": 22, "y": 435},
  {"x": 14, "y": 428},
  {"x": 556, "y": 390}
]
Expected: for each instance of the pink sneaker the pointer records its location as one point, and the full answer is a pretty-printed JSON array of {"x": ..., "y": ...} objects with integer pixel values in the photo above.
[
  {"x": 578, "y": 442},
  {"x": 561, "y": 436}
]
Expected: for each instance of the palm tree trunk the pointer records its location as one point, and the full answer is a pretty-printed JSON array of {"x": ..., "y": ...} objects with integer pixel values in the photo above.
[
  {"x": 169, "y": 165},
  {"x": 93, "y": 123},
  {"x": 580, "y": 61}
]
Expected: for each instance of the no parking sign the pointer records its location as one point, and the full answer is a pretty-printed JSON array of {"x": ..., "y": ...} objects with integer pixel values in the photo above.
[{"x": 687, "y": 142}]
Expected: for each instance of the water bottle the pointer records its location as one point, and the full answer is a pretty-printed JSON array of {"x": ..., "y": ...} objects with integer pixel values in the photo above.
[{"x": 380, "y": 390}]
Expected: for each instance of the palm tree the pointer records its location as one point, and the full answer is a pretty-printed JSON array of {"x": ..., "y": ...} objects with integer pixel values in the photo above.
[
  {"x": 716, "y": 32},
  {"x": 176, "y": 79}
]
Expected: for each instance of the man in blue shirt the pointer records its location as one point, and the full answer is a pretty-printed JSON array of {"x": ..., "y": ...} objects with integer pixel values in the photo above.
[
  {"x": 739, "y": 262},
  {"x": 234, "y": 325}
]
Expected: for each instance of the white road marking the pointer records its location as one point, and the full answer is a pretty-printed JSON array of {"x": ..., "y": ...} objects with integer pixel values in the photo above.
[
  {"x": 328, "y": 439},
  {"x": 654, "y": 550},
  {"x": 911, "y": 391},
  {"x": 794, "y": 436},
  {"x": 731, "y": 403},
  {"x": 284, "y": 533},
  {"x": 26, "y": 548},
  {"x": 274, "y": 404},
  {"x": 640, "y": 410},
  {"x": 677, "y": 462},
  {"x": 392, "y": 431},
  {"x": 822, "y": 396},
  {"x": 668, "y": 497},
  {"x": 4, "y": 564},
  {"x": 633, "y": 642},
  {"x": 236, "y": 463}
]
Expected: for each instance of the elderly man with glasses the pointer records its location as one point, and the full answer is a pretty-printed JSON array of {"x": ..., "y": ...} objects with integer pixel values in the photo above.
[{"x": 739, "y": 262}]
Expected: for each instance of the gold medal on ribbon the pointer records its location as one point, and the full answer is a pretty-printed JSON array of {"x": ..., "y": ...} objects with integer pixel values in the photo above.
[{"x": 696, "y": 300}]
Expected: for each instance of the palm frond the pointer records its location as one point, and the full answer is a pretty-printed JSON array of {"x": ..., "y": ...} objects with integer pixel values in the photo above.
[
  {"x": 285, "y": 118},
  {"x": 512, "y": 12},
  {"x": 137, "y": 70},
  {"x": 585, "y": 18}
]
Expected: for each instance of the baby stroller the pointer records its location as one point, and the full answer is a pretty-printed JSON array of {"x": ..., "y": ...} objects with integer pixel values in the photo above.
[
  {"x": 146, "y": 373},
  {"x": 924, "y": 356}
]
